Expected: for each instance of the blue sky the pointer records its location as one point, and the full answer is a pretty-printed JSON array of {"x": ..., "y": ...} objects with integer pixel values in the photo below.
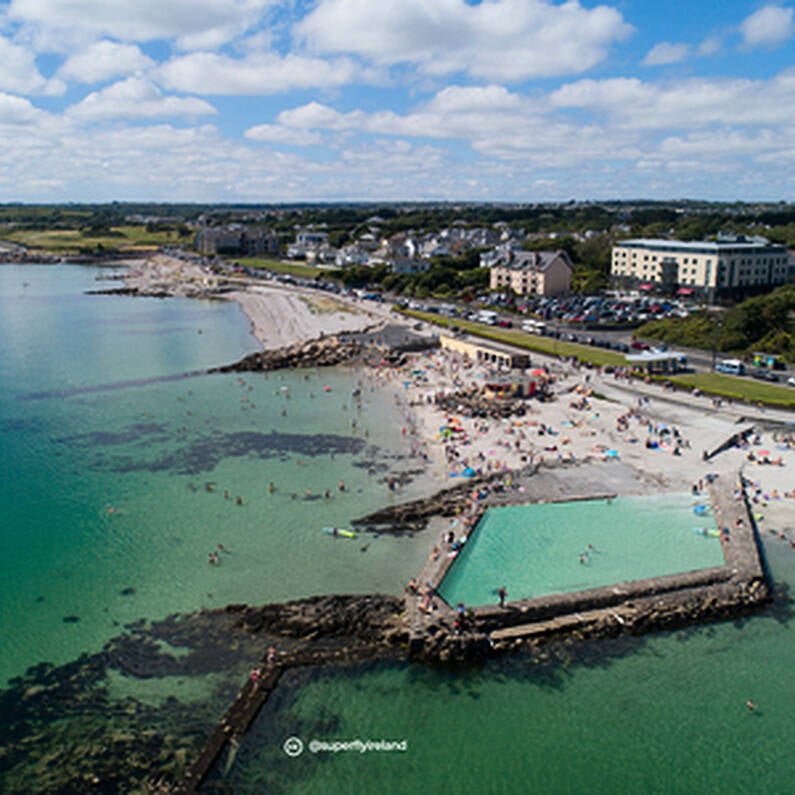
[{"x": 490, "y": 100}]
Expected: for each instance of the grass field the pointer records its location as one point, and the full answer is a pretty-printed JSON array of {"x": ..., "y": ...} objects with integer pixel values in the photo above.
[
  {"x": 531, "y": 342},
  {"x": 726, "y": 386},
  {"x": 292, "y": 268},
  {"x": 66, "y": 241},
  {"x": 737, "y": 388}
]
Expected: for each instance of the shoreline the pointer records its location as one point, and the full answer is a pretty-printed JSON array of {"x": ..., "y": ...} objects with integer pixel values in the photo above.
[
  {"x": 593, "y": 417},
  {"x": 567, "y": 464},
  {"x": 278, "y": 315}
]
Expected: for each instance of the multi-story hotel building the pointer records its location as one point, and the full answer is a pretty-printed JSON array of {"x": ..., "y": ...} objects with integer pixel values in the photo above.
[{"x": 727, "y": 265}]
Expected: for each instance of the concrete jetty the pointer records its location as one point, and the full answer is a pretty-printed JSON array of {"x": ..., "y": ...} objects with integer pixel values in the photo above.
[
  {"x": 737, "y": 586},
  {"x": 252, "y": 697}
]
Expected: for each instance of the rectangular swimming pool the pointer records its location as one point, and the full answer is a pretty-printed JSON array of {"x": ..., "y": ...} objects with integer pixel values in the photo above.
[{"x": 541, "y": 549}]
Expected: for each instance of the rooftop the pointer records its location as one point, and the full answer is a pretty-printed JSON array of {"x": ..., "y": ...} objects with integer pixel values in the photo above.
[{"x": 702, "y": 246}]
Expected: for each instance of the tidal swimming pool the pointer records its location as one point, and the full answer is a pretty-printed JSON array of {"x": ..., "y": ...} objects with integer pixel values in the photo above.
[{"x": 542, "y": 549}]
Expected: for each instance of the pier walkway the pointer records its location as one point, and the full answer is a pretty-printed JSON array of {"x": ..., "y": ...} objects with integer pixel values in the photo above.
[{"x": 252, "y": 696}]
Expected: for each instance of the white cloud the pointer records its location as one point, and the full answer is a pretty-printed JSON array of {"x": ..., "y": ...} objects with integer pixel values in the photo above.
[
  {"x": 136, "y": 97},
  {"x": 16, "y": 110},
  {"x": 193, "y": 23},
  {"x": 768, "y": 27},
  {"x": 258, "y": 74},
  {"x": 665, "y": 53},
  {"x": 474, "y": 98},
  {"x": 455, "y": 112},
  {"x": 515, "y": 128},
  {"x": 104, "y": 60},
  {"x": 499, "y": 40},
  {"x": 726, "y": 143},
  {"x": 709, "y": 46},
  {"x": 687, "y": 104},
  {"x": 19, "y": 73},
  {"x": 279, "y": 134}
]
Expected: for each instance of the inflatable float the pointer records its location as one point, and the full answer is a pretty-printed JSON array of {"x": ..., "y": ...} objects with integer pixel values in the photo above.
[
  {"x": 705, "y": 531},
  {"x": 338, "y": 531}
]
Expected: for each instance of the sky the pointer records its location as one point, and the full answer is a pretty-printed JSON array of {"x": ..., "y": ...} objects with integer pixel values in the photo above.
[{"x": 262, "y": 101}]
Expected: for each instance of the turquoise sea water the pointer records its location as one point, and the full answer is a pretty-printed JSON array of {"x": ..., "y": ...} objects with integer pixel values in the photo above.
[
  {"x": 665, "y": 713},
  {"x": 660, "y": 714},
  {"x": 534, "y": 550},
  {"x": 105, "y": 513}
]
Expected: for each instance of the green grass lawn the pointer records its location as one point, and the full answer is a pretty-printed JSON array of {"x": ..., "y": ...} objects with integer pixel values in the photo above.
[
  {"x": 292, "y": 268},
  {"x": 122, "y": 238},
  {"x": 531, "y": 342},
  {"x": 727, "y": 386},
  {"x": 738, "y": 388}
]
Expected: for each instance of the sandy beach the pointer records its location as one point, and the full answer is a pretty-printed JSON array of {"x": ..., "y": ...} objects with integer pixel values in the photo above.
[
  {"x": 280, "y": 314},
  {"x": 632, "y": 436},
  {"x": 599, "y": 434}
]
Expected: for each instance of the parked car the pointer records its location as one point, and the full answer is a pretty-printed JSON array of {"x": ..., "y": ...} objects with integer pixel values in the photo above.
[
  {"x": 730, "y": 367},
  {"x": 791, "y": 380},
  {"x": 764, "y": 375}
]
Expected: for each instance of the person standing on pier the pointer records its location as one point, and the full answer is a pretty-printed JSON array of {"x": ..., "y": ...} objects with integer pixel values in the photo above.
[{"x": 502, "y": 592}]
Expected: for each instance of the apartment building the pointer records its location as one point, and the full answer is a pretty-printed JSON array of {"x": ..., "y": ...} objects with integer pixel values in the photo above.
[
  {"x": 730, "y": 264},
  {"x": 532, "y": 272}
]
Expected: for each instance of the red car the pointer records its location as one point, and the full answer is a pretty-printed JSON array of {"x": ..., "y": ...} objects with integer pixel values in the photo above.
[{"x": 638, "y": 345}]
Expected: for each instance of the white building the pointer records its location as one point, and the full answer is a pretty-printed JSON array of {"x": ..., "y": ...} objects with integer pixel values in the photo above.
[{"x": 729, "y": 264}]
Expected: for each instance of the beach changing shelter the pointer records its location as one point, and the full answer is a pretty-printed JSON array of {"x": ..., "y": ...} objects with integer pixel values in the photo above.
[
  {"x": 657, "y": 362},
  {"x": 489, "y": 352}
]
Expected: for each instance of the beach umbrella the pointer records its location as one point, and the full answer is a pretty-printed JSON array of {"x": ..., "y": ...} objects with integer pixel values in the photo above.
[{"x": 468, "y": 472}]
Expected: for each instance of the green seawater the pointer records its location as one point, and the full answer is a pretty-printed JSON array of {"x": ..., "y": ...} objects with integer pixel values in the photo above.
[
  {"x": 105, "y": 513},
  {"x": 664, "y": 713},
  {"x": 660, "y": 714},
  {"x": 535, "y": 550}
]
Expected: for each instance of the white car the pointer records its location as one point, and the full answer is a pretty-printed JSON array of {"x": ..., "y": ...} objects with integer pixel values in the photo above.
[{"x": 791, "y": 380}]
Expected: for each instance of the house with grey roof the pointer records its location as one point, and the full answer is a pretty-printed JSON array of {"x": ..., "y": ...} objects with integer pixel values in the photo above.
[
  {"x": 236, "y": 240},
  {"x": 532, "y": 272}
]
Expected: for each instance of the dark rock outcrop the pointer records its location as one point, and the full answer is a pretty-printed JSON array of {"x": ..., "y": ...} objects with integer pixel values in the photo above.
[
  {"x": 325, "y": 352},
  {"x": 372, "y": 618}
]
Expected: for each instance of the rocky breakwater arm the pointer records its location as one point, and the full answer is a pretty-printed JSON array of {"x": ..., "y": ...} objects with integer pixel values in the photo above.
[
  {"x": 324, "y": 352},
  {"x": 372, "y": 620}
]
